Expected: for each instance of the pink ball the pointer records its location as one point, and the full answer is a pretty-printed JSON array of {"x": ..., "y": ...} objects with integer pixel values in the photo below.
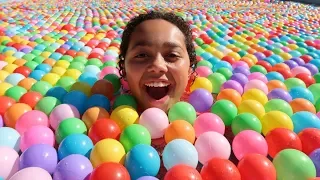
[
  {"x": 3, "y": 64},
  {"x": 317, "y": 41},
  {"x": 109, "y": 70},
  {"x": 31, "y": 118},
  {"x": 249, "y": 141},
  {"x": 62, "y": 112},
  {"x": 124, "y": 84},
  {"x": 108, "y": 58},
  {"x": 98, "y": 50},
  {"x": 256, "y": 84},
  {"x": 32, "y": 173},
  {"x": 203, "y": 71},
  {"x": 9, "y": 162},
  {"x": 156, "y": 121},
  {"x": 258, "y": 76},
  {"x": 37, "y": 135},
  {"x": 208, "y": 122},
  {"x": 318, "y": 114},
  {"x": 300, "y": 69},
  {"x": 240, "y": 63},
  {"x": 212, "y": 145}
]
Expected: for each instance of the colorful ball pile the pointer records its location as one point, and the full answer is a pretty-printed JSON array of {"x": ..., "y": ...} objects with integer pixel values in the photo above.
[{"x": 63, "y": 117}]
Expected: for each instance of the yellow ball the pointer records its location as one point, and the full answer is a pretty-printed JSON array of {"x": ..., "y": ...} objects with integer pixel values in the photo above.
[
  {"x": 255, "y": 94},
  {"x": 235, "y": 55},
  {"x": 10, "y": 68},
  {"x": 60, "y": 41},
  {"x": 46, "y": 38},
  {"x": 64, "y": 31},
  {"x": 124, "y": 116},
  {"x": 201, "y": 82},
  {"x": 9, "y": 53},
  {"x": 218, "y": 54},
  {"x": 51, "y": 78},
  {"x": 62, "y": 63},
  {"x": 285, "y": 56},
  {"x": 275, "y": 119},
  {"x": 214, "y": 44},
  {"x": 230, "y": 46},
  {"x": 4, "y": 38},
  {"x": 74, "y": 73},
  {"x": 107, "y": 150},
  {"x": 253, "y": 107},
  {"x": 255, "y": 41},
  {"x": 45, "y": 54},
  {"x": 249, "y": 43},
  {"x": 252, "y": 57},
  {"x": 58, "y": 70},
  {"x": 292, "y": 46},
  {"x": 81, "y": 86},
  {"x": 4, "y": 86},
  {"x": 9, "y": 59},
  {"x": 3, "y": 75}
]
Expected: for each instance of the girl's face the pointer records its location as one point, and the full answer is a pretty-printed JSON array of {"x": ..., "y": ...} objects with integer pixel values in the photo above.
[{"x": 157, "y": 64}]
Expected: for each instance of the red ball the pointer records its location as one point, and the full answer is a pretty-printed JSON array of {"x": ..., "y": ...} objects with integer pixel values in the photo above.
[
  {"x": 229, "y": 59},
  {"x": 5, "y": 103},
  {"x": 61, "y": 51},
  {"x": 95, "y": 55},
  {"x": 265, "y": 64},
  {"x": 220, "y": 169},
  {"x": 2, "y": 57},
  {"x": 17, "y": 46},
  {"x": 182, "y": 172},
  {"x": 306, "y": 58},
  {"x": 280, "y": 139},
  {"x": 267, "y": 53},
  {"x": 31, "y": 98},
  {"x": 10, "y": 44},
  {"x": 104, "y": 128},
  {"x": 285, "y": 73},
  {"x": 309, "y": 43},
  {"x": 24, "y": 70},
  {"x": 306, "y": 78},
  {"x": 103, "y": 46},
  {"x": 317, "y": 46},
  {"x": 110, "y": 170},
  {"x": 256, "y": 166},
  {"x": 310, "y": 139},
  {"x": 117, "y": 45},
  {"x": 68, "y": 27},
  {"x": 71, "y": 53}
]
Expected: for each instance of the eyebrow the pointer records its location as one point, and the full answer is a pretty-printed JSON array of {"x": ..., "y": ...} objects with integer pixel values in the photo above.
[{"x": 144, "y": 43}]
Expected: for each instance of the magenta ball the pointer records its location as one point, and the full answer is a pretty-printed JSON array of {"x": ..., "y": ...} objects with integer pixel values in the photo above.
[
  {"x": 201, "y": 100},
  {"x": 109, "y": 70},
  {"x": 258, "y": 76},
  {"x": 208, "y": 122},
  {"x": 203, "y": 71},
  {"x": 31, "y": 118},
  {"x": 36, "y": 135}
]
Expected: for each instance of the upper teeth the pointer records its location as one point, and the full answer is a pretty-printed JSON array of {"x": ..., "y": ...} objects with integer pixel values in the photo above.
[{"x": 157, "y": 84}]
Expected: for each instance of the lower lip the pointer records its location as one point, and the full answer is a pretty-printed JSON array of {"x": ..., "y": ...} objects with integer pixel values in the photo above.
[{"x": 155, "y": 102}]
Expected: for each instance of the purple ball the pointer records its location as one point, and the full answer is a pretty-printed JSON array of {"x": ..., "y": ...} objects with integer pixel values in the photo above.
[
  {"x": 259, "y": 55},
  {"x": 1, "y": 121},
  {"x": 291, "y": 64},
  {"x": 279, "y": 93},
  {"x": 315, "y": 157},
  {"x": 26, "y": 50},
  {"x": 65, "y": 46},
  {"x": 73, "y": 167},
  {"x": 40, "y": 155},
  {"x": 201, "y": 100},
  {"x": 240, "y": 78},
  {"x": 242, "y": 70},
  {"x": 148, "y": 178},
  {"x": 298, "y": 60},
  {"x": 312, "y": 68},
  {"x": 232, "y": 84}
]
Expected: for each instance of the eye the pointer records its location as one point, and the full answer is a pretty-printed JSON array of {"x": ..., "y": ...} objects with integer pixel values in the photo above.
[
  {"x": 141, "y": 55},
  {"x": 172, "y": 57}
]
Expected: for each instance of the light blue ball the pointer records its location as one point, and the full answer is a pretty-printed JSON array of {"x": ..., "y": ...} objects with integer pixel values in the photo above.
[
  {"x": 88, "y": 77},
  {"x": 57, "y": 92},
  {"x": 92, "y": 69},
  {"x": 274, "y": 76},
  {"x": 75, "y": 144},
  {"x": 9, "y": 137},
  {"x": 180, "y": 151},
  {"x": 304, "y": 119},
  {"x": 56, "y": 56},
  {"x": 301, "y": 92},
  {"x": 14, "y": 78},
  {"x": 37, "y": 74},
  {"x": 221, "y": 64}
]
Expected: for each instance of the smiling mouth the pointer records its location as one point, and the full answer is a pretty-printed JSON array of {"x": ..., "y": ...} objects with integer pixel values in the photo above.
[{"x": 157, "y": 90}]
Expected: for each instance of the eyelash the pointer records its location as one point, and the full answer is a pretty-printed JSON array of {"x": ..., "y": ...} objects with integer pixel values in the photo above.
[{"x": 171, "y": 55}]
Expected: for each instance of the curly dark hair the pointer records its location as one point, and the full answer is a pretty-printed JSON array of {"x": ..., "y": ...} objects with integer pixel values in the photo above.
[{"x": 168, "y": 16}]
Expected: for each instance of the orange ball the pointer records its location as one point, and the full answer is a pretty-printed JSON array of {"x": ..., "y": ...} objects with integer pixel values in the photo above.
[
  {"x": 180, "y": 129},
  {"x": 19, "y": 62},
  {"x": 93, "y": 114},
  {"x": 231, "y": 95},
  {"x": 301, "y": 104},
  {"x": 274, "y": 84},
  {"x": 81, "y": 53},
  {"x": 251, "y": 51},
  {"x": 27, "y": 83},
  {"x": 280, "y": 66},
  {"x": 49, "y": 61},
  {"x": 248, "y": 61},
  {"x": 14, "y": 112}
]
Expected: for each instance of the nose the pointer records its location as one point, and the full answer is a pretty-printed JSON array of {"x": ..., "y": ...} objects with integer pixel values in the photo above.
[{"x": 158, "y": 65}]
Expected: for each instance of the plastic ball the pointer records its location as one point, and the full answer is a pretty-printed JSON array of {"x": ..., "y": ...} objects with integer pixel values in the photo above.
[
  {"x": 280, "y": 139},
  {"x": 124, "y": 116},
  {"x": 69, "y": 126},
  {"x": 77, "y": 99},
  {"x": 226, "y": 110},
  {"x": 182, "y": 111},
  {"x": 103, "y": 87},
  {"x": 179, "y": 129},
  {"x": 278, "y": 105},
  {"x": 232, "y": 84},
  {"x": 255, "y": 94},
  {"x": 31, "y": 98},
  {"x": 9, "y": 161},
  {"x": 142, "y": 160},
  {"x": 114, "y": 171},
  {"x": 300, "y": 92},
  {"x": 300, "y": 104},
  {"x": 73, "y": 167},
  {"x": 279, "y": 94},
  {"x": 182, "y": 171},
  {"x": 62, "y": 112},
  {"x": 98, "y": 100},
  {"x": 208, "y": 122},
  {"x": 40, "y": 155},
  {"x": 179, "y": 151},
  {"x": 212, "y": 145},
  {"x": 133, "y": 135},
  {"x": 203, "y": 71},
  {"x": 5, "y": 103},
  {"x": 107, "y": 150},
  {"x": 31, "y": 118},
  {"x": 246, "y": 121},
  {"x": 102, "y": 129},
  {"x": 14, "y": 112},
  {"x": 254, "y": 166},
  {"x": 92, "y": 114},
  {"x": 15, "y": 92},
  {"x": 303, "y": 120},
  {"x": 201, "y": 100},
  {"x": 75, "y": 144},
  {"x": 217, "y": 80},
  {"x": 201, "y": 82},
  {"x": 314, "y": 156},
  {"x": 31, "y": 173},
  {"x": 300, "y": 166},
  {"x": 10, "y": 138},
  {"x": 256, "y": 84},
  {"x": 253, "y": 107},
  {"x": 310, "y": 139},
  {"x": 148, "y": 178},
  {"x": 155, "y": 120},
  {"x": 222, "y": 169},
  {"x": 247, "y": 142},
  {"x": 125, "y": 99},
  {"x": 36, "y": 135}
]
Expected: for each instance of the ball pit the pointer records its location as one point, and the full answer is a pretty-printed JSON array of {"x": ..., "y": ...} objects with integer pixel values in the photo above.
[{"x": 253, "y": 109}]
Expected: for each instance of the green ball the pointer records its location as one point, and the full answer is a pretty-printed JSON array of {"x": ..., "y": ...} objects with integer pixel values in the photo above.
[
  {"x": 226, "y": 110},
  {"x": 115, "y": 80},
  {"x": 67, "y": 58},
  {"x": 292, "y": 164},
  {"x": 39, "y": 59},
  {"x": 217, "y": 81},
  {"x": 36, "y": 52},
  {"x": 182, "y": 111},
  {"x": 80, "y": 59},
  {"x": 246, "y": 121},
  {"x": 227, "y": 73},
  {"x": 42, "y": 87},
  {"x": 109, "y": 63},
  {"x": 278, "y": 105},
  {"x": 15, "y": 92},
  {"x": 317, "y": 105},
  {"x": 49, "y": 49},
  {"x": 47, "y": 104},
  {"x": 294, "y": 82},
  {"x": 204, "y": 63},
  {"x": 277, "y": 50},
  {"x": 315, "y": 90},
  {"x": 133, "y": 135},
  {"x": 258, "y": 68},
  {"x": 76, "y": 65},
  {"x": 31, "y": 64},
  {"x": 94, "y": 61},
  {"x": 66, "y": 82},
  {"x": 70, "y": 126},
  {"x": 28, "y": 57},
  {"x": 125, "y": 99},
  {"x": 317, "y": 77},
  {"x": 2, "y": 48},
  {"x": 199, "y": 41}
]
